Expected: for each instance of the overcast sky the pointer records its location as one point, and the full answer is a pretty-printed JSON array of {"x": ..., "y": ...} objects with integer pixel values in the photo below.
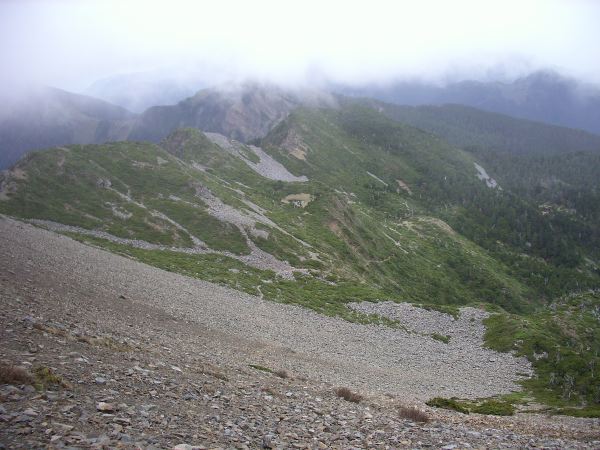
[{"x": 70, "y": 44}]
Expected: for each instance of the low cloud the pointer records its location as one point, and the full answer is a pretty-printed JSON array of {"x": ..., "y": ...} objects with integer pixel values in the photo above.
[{"x": 71, "y": 44}]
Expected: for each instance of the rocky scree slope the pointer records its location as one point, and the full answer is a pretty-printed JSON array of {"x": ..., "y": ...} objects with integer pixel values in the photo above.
[{"x": 119, "y": 364}]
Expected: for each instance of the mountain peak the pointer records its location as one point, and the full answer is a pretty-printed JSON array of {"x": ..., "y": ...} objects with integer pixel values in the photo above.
[{"x": 243, "y": 111}]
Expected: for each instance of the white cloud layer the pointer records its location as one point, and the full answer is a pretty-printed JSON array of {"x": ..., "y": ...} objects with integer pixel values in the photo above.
[{"x": 72, "y": 43}]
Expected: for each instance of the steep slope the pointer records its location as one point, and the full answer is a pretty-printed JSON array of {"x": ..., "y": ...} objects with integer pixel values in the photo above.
[
  {"x": 335, "y": 206},
  {"x": 223, "y": 369},
  {"x": 474, "y": 128},
  {"x": 44, "y": 117},
  {"x": 543, "y": 96},
  {"x": 243, "y": 112},
  {"x": 554, "y": 167}
]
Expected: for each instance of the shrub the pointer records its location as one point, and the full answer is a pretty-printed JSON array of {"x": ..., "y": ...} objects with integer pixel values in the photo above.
[
  {"x": 441, "y": 337},
  {"x": 348, "y": 395},
  {"x": 448, "y": 403},
  {"x": 495, "y": 408},
  {"x": 412, "y": 413},
  {"x": 44, "y": 377},
  {"x": 261, "y": 368},
  {"x": 282, "y": 373},
  {"x": 10, "y": 374}
]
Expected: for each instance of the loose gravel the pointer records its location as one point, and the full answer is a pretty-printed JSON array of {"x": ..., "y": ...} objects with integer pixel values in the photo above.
[
  {"x": 267, "y": 166},
  {"x": 153, "y": 360},
  {"x": 372, "y": 358}
]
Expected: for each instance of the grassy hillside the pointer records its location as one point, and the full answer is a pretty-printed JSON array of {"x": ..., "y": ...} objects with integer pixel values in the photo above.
[
  {"x": 563, "y": 343},
  {"x": 550, "y": 167},
  {"x": 470, "y": 127},
  {"x": 354, "y": 230},
  {"x": 387, "y": 211}
]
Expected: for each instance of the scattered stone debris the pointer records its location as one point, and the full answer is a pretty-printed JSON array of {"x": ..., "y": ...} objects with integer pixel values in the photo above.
[
  {"x": 267, "y": 166},
  {"x": 483, "y": 176},
  {"x": 184, "y": 379}
]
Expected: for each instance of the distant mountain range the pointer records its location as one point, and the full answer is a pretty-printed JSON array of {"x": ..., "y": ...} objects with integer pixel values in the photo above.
[
  {"x": 47, "y": 117},
  {"x": 139, "y": 91},
  {"x": 542, "y": 96}
]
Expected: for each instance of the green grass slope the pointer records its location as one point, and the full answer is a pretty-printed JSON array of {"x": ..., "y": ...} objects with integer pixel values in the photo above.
[
  {"x": 553, "y": 167},
  {"x": 388, "y": 212}
]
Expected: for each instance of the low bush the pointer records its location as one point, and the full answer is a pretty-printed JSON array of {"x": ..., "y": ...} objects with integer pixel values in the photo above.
[
  {"x": 261, "y": 368},
  {"x": 45, "y": 377},
  {"x": 495, "y": 408},
  {"x": 348, "y": 395},
  {"x": 412, "y": 413},
  {"x": 441, "y": 337},
  {"x": 10, "y": 374},
  {"x": 448, "y": 403}
]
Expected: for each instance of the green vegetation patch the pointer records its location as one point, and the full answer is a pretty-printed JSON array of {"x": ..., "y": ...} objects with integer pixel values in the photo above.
[
  {"x": 45, "y": 378},
  {"x": 562, "y": 343},
  {"x": 441, "y": 337},
  {"x": 494, "y": 407},
  {"x": 448, "y": 403},
  {"x": 261, "y": 368},
  {"x": 490, "y": 406}
]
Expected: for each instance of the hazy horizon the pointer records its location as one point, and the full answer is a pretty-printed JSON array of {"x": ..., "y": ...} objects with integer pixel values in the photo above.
[{"x": 71, "y": 45}]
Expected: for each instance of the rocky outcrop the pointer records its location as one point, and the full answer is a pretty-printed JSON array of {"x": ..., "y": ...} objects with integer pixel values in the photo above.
[{"x": 242, "y": 112}]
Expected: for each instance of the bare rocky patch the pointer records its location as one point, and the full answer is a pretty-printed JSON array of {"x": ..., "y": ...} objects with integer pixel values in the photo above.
[
  {"x": 295, "y": 145},
  {"x": 402, "y": 185},
  {"x": 298, "y": 200},
  {"x": 266, "y": 165}
]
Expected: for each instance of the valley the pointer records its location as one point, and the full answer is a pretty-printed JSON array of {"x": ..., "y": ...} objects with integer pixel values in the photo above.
[{"x": 388, "y": 250}]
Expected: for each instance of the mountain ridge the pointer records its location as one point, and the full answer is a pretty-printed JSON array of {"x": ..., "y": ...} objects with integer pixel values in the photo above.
[
  {"x": 244, "y": 111},
  {"x": 543, "y": 96},
  {"x": 45, "y": 117}
]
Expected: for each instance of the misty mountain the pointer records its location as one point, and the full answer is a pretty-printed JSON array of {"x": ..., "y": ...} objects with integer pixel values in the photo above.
[
  {"x": 242, "y": 112},
  {"x": 139, "y": 91},
  {"x": 48, "y": 117},
  {"x": 45, "y": 117},
  {"x": 471, "y": 128},
  {"x": 543, "y": 96}
]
